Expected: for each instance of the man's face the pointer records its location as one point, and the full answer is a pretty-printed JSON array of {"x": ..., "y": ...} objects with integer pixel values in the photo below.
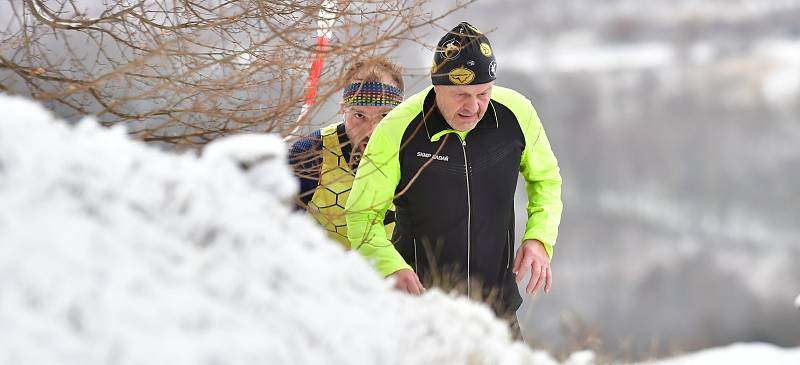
[
  {"x": 360, "y": 121},
  {"x": 463, "y": 106}
]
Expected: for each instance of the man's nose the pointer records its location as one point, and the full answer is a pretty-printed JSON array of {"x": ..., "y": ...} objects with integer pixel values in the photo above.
[{"x": 471, "y": 105}]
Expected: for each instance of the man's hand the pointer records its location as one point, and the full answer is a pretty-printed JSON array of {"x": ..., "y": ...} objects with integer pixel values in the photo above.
[
  {"x": 532, "y": 256},
  {"x": 407, "y": 280}
]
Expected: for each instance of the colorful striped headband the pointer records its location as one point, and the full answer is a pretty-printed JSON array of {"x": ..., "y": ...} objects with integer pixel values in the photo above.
[{"x": 371, "y": 93}]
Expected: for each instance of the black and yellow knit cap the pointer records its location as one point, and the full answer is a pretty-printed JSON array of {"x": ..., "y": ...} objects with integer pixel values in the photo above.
[{"x": 463, "y": 56}]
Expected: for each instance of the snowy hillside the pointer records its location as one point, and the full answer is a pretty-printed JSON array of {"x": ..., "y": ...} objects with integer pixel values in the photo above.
[
  {"x": 736, "y": 354},
  {"x": 112, "y": 252},
  {"x": 675, "y": 124}
]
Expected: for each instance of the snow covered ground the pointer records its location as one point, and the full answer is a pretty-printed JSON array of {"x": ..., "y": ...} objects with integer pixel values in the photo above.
[
  {"x": 114, "y": 252},
  {"x": 737, "y": 354}
]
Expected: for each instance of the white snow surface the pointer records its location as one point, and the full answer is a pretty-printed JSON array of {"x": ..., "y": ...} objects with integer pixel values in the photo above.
[
  {"x": 737, "y": 354},
  {"x": 114, "y": 252}
]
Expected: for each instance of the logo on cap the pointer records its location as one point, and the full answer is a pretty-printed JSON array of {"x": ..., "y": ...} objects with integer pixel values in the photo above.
[
  {"x": 461, "y": 76},
  {"x": 493, "y": 69},
  {"x": 486, "y": 50},
  {"x": 451, "y": 49}
]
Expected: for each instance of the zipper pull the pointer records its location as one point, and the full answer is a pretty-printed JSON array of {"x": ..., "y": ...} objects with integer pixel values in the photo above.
[{"x": 463, "y": 142}]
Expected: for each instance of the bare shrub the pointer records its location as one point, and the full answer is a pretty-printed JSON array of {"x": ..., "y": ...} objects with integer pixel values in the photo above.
[{"x": 187, "y": 72}]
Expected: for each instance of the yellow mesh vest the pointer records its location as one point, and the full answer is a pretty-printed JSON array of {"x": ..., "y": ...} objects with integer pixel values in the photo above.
[{"x": 335, "y": 182}]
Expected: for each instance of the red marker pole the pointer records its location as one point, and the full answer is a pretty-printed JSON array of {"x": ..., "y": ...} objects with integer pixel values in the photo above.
[
  {"x": 314, "y": 72},
  {"x": 327, "y": 18}
]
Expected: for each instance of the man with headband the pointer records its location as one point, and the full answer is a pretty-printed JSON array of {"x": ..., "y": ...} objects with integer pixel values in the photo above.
[
  {"x": 325, "y": 160},
  {"x": 448, "y": 158}
]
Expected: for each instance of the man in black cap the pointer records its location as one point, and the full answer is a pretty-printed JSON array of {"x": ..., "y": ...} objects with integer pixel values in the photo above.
[{"x": 448, "y": 158}]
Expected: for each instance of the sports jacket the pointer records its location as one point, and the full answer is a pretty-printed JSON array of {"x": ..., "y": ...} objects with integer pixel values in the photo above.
[
  {"x": 322, "y": 161},
  {"x": 454, "y": 192}
]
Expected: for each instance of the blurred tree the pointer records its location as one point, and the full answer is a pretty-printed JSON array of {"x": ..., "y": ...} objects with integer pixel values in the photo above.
[{"x": 186, "y": 72}]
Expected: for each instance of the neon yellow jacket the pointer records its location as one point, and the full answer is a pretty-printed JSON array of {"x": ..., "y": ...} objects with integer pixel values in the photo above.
[{"x": 454, "y": 188}]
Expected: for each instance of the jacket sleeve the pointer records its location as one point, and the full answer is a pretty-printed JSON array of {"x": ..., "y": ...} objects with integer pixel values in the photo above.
[
  {"x": 540, "y": 169},
  {"x": 372, "y": 194},
  {"x": 305, "y": 158}
]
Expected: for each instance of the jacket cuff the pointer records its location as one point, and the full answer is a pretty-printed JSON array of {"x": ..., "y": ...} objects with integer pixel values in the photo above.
[{"x": 391, "y": 267}]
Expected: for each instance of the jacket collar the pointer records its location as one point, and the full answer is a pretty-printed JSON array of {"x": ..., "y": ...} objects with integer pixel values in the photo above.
[
  {"x": 436, "y": 126},
  {"x": 344, "y": 141}
]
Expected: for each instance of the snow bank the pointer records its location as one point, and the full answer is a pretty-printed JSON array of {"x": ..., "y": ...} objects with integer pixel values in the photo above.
[
  {"x": 114, "y": 252},
  {"x": 741, "y": 353}
]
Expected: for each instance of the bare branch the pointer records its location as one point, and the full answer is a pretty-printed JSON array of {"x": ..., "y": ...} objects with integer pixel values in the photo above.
[{"x": 185, "y": 71}]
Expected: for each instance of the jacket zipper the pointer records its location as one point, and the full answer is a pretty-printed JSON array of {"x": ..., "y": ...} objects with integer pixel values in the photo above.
[
  {"x": 469, "y": 214},
  {"x": 416, "y": 265},
  {"x": 510, "y": 249}
]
